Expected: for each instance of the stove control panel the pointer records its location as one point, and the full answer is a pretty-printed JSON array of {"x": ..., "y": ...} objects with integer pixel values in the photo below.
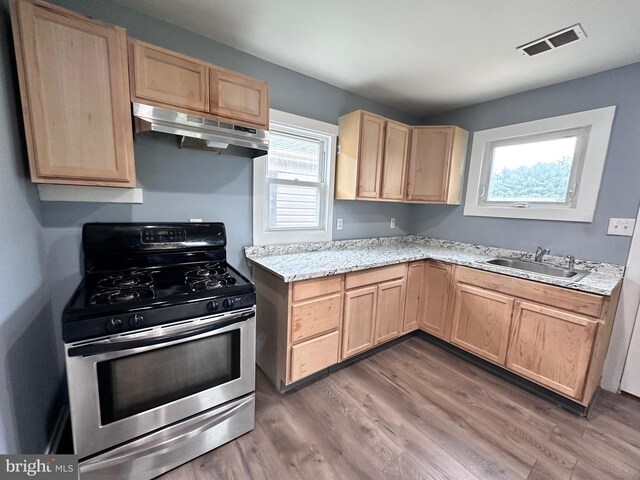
[{"x": 163, "y": 235}]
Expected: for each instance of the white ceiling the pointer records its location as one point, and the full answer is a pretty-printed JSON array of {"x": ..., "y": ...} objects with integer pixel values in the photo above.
[{"x": 420, "y": 56}]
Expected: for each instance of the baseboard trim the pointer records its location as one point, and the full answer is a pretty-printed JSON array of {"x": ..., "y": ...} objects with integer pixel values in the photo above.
[
  {"x": 345, "y": 363},
  {"x": 58, "y": 430}
]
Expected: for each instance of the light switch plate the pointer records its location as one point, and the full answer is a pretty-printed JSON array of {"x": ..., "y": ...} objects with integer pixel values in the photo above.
[
  {"x": 621, "y": 226},
  {"x": 392, "y": 223},
  {"x": 339, "y": 224}
]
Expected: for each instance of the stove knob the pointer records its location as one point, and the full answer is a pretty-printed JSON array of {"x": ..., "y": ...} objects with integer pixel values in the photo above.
[
  {"x": 228, "y": 303},
  {"x": 114, "y": 325},
  {"x": 136, "y": 320},
  {"x": 212, "y": 306}
]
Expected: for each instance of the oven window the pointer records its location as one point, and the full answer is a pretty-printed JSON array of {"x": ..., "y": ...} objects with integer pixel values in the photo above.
[{"x": 140, "y": 382}]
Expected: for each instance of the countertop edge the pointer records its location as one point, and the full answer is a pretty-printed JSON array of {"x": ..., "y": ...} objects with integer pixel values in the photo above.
[{"x": 611, "y": 280}]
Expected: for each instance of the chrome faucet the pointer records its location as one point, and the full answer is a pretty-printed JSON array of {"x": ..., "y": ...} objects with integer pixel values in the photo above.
[
  {"x": 572, "y": 261},
  {"x": 540, "y": 253}
]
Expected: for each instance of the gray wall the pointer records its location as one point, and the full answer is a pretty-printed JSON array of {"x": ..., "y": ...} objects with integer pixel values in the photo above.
[
  {"x": 183, "y": 184},
  {"x": 30, "y": 375},
  {"x": 619, "y": 191}
]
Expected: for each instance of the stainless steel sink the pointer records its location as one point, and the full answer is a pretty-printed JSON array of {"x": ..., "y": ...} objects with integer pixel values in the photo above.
[{"x": 539, "y": 268}]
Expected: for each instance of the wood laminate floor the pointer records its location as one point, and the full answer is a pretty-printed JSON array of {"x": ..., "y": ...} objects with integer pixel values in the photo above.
[{"x": 414, "y": 411}]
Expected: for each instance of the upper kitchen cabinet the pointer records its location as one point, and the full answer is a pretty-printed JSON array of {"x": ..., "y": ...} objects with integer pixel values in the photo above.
[
  {"x": 436, "y": 165},
  {"x": 168, "y": 78},
  {"x": 75, "y": 96},
  {"x": 239, "y": 97},
  {"x": 164, "y": 78},
  {"x": 372, "y": 158}
]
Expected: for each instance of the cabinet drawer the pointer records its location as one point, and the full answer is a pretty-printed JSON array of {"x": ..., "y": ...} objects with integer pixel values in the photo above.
[
  {"x": 375, "y": 275},
  {"x": 314, "y": 317},
  {"x": 312, "y": 356},
  {"x": 316, "y": 287},
  {"x": 570, "y": 300}
]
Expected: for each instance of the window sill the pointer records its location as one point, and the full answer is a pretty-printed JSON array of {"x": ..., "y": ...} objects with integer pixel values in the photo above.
[{"x": 531, "y": 213}]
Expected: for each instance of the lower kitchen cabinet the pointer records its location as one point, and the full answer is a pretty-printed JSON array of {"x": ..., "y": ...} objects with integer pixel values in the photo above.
[
  {"x": 373, "y": 307},
  {"x": 436, "y": 290},
  {"x": 414, "y": 303},
  {"x": 481, "y": 322},
  {"x": 390, "y": 310},
  {"x": 553, "y": 336},
  {"x": 314, "y": 355},
  {"x": 551, "y": 347},
  {"x": 359, "y": 314}
]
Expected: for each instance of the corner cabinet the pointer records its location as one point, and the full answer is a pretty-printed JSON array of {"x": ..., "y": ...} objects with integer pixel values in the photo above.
[
  {"x": 75, "y": 96},
  {"x": 165, "y": 78},
  {"x": 436, "y": 165},
  {"x": 437, "y": 288},
  {"x": 372, "y": 158},
  {"x": 383, "y": 160}
]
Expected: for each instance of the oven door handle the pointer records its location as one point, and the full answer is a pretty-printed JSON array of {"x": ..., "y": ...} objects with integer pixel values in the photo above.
[{"x": 98, "y": 348}]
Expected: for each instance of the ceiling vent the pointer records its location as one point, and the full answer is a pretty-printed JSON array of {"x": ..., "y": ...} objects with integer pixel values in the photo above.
[{"x": 553, "y": 41}]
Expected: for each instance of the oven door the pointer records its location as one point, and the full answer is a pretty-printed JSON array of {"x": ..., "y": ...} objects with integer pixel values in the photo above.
[{"x": 124, "y": 386}]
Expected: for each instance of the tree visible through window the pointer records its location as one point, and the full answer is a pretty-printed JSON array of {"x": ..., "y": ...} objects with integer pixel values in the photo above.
[{"x": 532, "y": 172}]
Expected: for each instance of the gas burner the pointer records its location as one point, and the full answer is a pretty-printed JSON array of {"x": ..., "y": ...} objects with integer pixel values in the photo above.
[
  {"x": 208, "y": 270},
  {"x": 211, "y": 283},
  {"x": 133, "y": 279},
  {"x": 110, "y": 297},
  {"x": 216, "y": 268}
]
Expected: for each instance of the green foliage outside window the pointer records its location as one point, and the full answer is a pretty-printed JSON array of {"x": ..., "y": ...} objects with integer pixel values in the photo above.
[{"x": 540, "y": 181}]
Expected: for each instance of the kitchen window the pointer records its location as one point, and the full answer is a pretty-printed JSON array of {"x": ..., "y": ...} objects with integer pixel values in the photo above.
[
  {"x": 293, "y": 184},
  {"x": 548, "y": 169}
]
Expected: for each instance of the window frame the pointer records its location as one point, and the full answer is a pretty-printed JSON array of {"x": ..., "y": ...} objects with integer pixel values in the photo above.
[
  {"x": 262, "y": 233},
  {"x": 587, "y": 167}
]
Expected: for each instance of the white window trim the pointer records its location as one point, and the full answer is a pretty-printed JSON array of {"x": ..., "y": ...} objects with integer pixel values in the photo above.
[
  {"x": 600, "y": 121},
  {"x": 260, "y": 235}
]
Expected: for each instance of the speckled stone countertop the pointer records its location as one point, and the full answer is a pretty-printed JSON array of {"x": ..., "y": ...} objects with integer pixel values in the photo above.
[{"x": 319, "y": 259}]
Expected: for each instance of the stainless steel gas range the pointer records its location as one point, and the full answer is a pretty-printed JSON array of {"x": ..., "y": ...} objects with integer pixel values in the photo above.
[{"x": 160, "y": 348}]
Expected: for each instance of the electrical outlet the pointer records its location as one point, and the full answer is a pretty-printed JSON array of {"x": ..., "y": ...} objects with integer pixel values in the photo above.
[
  {"x": 621, "y": 226},
  {"x": 392, "y": 223},
  {"x": 195, "y": 220},
  {"x": 339, "y": 224}
]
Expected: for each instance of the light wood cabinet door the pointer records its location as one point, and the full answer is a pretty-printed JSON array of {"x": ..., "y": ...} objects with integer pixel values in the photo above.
[
  {"x": 481, "y": 322},
  {"x": 414, "y": 302},
  {"x": 394, "y": 165},
  {"x": 437, "y": 281},
  {"x": 169, "y": 78},
  {"x": 75, "y": 96},
  {"x": 359, "y": 317},
  {"x": 429, "y": 164},
  {"x": 370, "y": 155},
  {"x": 551, "y": 347},
  {"x": 436, "y": 165},
  {"x": 390, "y": 310},
  {"x": 314, "y": 355},
  {"x": 238, "y": 97}
]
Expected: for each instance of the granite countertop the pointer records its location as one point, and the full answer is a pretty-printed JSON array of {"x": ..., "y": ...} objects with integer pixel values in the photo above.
[{"x": 320, "y": 259}]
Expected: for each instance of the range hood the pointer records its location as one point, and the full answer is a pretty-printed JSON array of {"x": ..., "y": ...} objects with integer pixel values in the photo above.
[{"x": 202, "y": 133}]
